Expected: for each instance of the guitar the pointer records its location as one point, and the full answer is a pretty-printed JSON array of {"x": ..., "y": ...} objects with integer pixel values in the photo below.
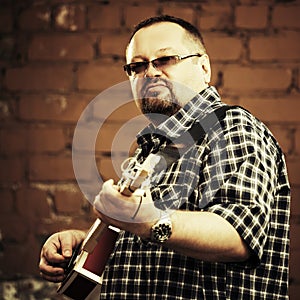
[{"x": 85, "y": 269}]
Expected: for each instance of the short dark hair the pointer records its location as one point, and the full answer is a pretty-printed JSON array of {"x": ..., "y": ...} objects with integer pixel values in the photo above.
[{"x": 193, "y": 32}]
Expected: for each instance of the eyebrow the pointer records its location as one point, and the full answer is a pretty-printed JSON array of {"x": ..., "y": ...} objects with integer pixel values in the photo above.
[{"x": 162, "y": 50}]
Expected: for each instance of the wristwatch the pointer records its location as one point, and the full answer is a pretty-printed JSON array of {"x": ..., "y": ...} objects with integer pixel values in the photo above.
[{"x": 161, "y": 230}]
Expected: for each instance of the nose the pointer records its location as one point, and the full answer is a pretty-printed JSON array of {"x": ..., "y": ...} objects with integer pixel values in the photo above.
[{"x": 152, "y": 71}]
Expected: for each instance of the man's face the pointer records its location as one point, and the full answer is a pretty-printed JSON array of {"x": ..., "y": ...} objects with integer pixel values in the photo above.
[{"x": 164, "y": 90}]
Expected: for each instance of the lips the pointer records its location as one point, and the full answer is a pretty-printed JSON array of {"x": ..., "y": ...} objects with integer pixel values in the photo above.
[{"x": 154, "y": 88}]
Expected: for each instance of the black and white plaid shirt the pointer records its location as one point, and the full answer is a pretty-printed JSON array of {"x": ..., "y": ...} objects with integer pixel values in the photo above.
[{"x": 246, "y": 184}]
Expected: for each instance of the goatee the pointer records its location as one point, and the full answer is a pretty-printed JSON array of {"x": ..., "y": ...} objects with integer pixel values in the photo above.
[{"x": 158, "y": 97}]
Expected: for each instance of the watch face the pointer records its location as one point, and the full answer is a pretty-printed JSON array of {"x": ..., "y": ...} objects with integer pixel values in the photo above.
[{"x": 161, "y": 232}]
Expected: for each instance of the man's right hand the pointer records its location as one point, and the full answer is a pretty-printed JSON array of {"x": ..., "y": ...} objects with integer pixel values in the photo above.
[{"x": 56, "y": 252}]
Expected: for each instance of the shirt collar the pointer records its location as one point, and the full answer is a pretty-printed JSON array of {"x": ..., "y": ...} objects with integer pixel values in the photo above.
[{"x": 197, "y": 108}]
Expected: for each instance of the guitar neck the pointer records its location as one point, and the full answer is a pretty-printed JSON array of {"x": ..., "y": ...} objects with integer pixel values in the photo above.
[
  {"x": 99, "y": 227},
  {"x": 93, "y": 235},
  {"x": 127, "y": 187}
]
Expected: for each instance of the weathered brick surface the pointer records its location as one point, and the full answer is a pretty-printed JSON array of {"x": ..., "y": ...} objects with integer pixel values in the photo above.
[
  {"x": 6, "y": 20},
  {"x": 295, "y": 203},
  {"x": 250, "y": 79},
  {"x": 32, "y": 204},
  {"x": 251, "y": 17},
  {"x": 215, "y": 16},
  {"x": 286, "y": 16},
  {"x": 293, "y": 164},
  {"x": 19, "y": 140},
  {"x": 12, "y": 170},
  {"x": 58, "y": 55},
  {"x": 99, "y": 76},
  {"x": 52, "y": 107},
  {"x": 7, "y": 206},
  {"x": 75, "y": 47},
  {"x": 114, "y": 44},
  {"x": 297, "y": 140},
  {"x": 35, "y": 18},
  {"x": 273, "y": 110},
  {"x": 70, "y": 17},
  {"x": 49, "y": 168},
  {"x": 104, "y": 17},
  {"x": 134, "y": 14},
  {"x": 69, "y": 202},
  {"x": 223, "y": 48},
  {"x": 187, "y": 12},
  {"x": 284, "y": 46},
  {"x": 40, "y": 78}
]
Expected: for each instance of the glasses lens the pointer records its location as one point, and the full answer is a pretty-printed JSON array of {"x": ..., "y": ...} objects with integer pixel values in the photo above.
[
  {"x": 137, "y": 68},
  {"x": 165, "y": 61}
]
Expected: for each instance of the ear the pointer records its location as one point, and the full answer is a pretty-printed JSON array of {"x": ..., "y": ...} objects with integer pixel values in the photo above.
[{"x": 205, "y": 65}]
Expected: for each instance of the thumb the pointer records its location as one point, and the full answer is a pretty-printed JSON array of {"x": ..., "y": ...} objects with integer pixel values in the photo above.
[{"x": 66, "y": 242}]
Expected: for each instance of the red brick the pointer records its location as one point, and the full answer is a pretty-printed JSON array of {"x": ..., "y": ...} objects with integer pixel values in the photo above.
[
  {"x": 51, "y": 107},
  {"x": 245, "y": 79},
  {"x": 76, "y": 47},
  {"x": 14, "y": 228},
  {"x": 223, "y": 48},
  {"x": 50, "y": 168},
  {"x": 180, "y": 11},
  {"x": 35, "y": 18},
  {"x": 135, "y": 14},
  {"x": 293, "y": 164},
  {"x": 108, "y": 171},
  {"x": 12, "y": 140},
  {"x": 297, "y": 139},
  {"x": 295, "y": 200},
  {"x": 215, "y": 16},
  {"x": 6, "y": 20},
  {"x": 294, "y": 232},
  {"x": 273, "y": 109},
  {"x": 32, "y": 203},
  {"x": 284, "y": 136},
  {"x": 5, "y": 110},
  {"x": 40, "y": 78},
  {"x": 115, "y": 108},
  {"x": 18, "y": 140},
  {"x": 294, "y": 289},
  {"x": 251, "y": 17},
  {"x": 45, "y": 228},
  {"x": 17, "y": 260},
  {"x": 286, "y": 16},
  {"x": 84, "y": 166},
  {"x": 12, "y": 169},
  {"x": 69, "y": 202},
  {"x": 7, "y": 46},
  {"x": 98, "y": 76},
  {"x": 70, "y": 17},
  {"x": 298, "y": 81},
  {"x": 112, "y": 137},
  {"x": 104, "y": 17},
  {"x": 45, "y": 139},
  {"x": 114, "y": 44},
  {"x": 7, "y": 202},
  {"x": 284, "y": 46}
]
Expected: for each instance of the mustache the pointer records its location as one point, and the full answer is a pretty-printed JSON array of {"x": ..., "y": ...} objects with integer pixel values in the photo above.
[{"x": 149, "y": 81}]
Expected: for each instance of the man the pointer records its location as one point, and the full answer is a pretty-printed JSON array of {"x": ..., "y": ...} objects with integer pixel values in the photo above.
[{"x": 234, "y": 245}]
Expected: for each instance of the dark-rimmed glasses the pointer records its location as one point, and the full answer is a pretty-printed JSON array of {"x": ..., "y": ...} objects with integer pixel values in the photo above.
[{"x": 159, "y": 63}]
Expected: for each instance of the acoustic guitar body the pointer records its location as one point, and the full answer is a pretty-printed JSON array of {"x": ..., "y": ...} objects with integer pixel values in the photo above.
[{"x": 85, "y": 278}]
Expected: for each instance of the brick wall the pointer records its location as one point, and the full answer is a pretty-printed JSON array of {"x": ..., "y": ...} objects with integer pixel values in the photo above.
[{"x": 55, "y": 56}]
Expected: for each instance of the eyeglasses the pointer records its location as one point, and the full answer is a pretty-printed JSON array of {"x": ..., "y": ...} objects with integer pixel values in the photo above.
[{"x": 159, "y": 63}]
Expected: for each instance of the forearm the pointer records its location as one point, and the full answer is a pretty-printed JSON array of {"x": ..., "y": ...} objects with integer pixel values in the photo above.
[
  {"x": 206, "y": 236},
  {"x": 202, "y": 235}
]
